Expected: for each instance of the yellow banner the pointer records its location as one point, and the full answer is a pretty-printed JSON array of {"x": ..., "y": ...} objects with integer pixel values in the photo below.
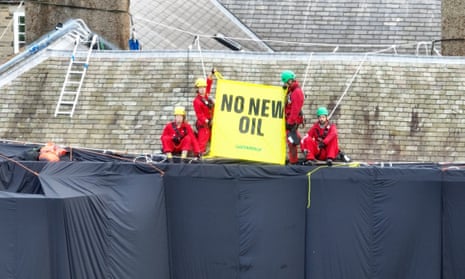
[{"x": 248, "y": 122}]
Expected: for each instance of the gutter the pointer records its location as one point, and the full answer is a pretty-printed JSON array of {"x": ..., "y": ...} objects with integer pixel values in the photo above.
[{"x": 74, "y": 26}]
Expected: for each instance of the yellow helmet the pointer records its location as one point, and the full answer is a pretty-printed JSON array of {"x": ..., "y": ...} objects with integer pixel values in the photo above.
[
  {"x": 179, "y": 111},
  {"x": 200, "y": 82}
]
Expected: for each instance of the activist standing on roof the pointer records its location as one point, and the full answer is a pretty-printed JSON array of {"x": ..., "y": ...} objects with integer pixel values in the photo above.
[
  {"x": 178, "y": 137},
  {"x": 321, "y": 141},
  {"x": 293, "y": 113},
  {"x": 203, "y": 107}
]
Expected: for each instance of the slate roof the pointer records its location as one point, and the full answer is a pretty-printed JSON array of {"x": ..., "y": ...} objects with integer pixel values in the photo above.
[
  {"x": 290, "y": 25},
  {"x": 324, "y": 25},
  {"x": 173, "y": 25}
]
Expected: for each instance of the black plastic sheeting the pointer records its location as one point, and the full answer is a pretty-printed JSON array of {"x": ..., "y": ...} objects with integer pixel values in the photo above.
[{"x": 126, "y": 220}]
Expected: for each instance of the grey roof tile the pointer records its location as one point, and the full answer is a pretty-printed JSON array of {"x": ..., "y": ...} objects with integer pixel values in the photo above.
[
  {"x": 174, "y": 25},
  {"x": 303, "y": 25}
]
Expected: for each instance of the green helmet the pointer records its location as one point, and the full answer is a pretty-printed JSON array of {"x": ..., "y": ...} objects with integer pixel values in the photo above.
[
  {"x": 321, "y": 111},
  {"x": 287, "y": 75}
]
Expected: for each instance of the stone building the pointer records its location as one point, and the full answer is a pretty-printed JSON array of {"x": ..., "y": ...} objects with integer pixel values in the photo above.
[
  {"x": 270, "y": 26},
  {"x": 12, "y": 28},
  {"x": 388, "y": 106}
]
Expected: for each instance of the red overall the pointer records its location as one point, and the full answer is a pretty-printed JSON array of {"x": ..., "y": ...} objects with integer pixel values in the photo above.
[
  {"x": 203, "y": 107},
  {"x": 177, "y": 139},
  {"x": 293, "y": 113},
  {"x": 328, "y": 135}
]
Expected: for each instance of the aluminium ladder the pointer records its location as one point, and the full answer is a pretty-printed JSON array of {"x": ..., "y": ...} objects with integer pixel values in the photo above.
[{"x": 74, "y": 79}]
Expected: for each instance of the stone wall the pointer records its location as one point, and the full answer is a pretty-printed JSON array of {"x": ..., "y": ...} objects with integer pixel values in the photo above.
[
  {"x": 109, "y": 19},
  {"x": 391, "y": 108},
  {"x": 453, "y": 27},
  {"x": 6, "y": 27}
]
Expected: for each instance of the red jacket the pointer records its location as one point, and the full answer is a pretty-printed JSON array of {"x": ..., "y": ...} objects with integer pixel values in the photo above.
[
  {"x": 294, "y": 104},
  {"x": 328, "y": 133},
  {"x": 203, "y": 106},
  {"x": 209, "y": 86},
  {"x": 170, "y": 131}
]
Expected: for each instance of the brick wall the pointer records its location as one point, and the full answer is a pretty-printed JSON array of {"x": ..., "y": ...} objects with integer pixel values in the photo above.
[{"x": 397, "y": 108}]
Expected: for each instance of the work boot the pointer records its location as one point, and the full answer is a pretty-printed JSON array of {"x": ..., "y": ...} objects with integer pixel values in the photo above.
[
  {"x": 346, "y": 158},
  {"x": 343, "y": 157},
  {"x": 309, "y": 162}
]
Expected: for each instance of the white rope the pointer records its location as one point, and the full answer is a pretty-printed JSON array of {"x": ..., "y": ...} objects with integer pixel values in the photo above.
[
  {"x": 348, "y": 85},
  {"x": 201, "y": 57},
  {"x": 9, "y": 23},
  {"x": 334, "y": 46},
  {"x": 355, "y": 75},
  {"x": 306, "y": 70}
]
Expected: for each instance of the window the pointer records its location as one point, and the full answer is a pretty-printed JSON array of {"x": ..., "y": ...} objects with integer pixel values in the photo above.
[{"x": 19, "y": 30}]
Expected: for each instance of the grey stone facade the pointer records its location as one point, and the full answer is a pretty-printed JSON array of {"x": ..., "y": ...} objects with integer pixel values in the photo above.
[
  {"x": 109, "y": 19},
  {"x": 6, "y": 30},
  {"x": 397, "y": 108},
  {"x": 289, "y": 25},
  {"x": 453, "y": 27}
]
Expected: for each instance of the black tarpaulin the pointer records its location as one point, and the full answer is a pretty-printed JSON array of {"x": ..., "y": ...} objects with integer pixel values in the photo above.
[
  {"x": 126, "y": 220},
  {"x": 18, "y": 151},
  {"x": 454, "y": 224},
  {"x": 110, "y": 222},
  {"x": 236, "y": 222},
  {"x": 20, "y": 178},
  {"x": 30, "y": 152},
  {"x": 374, "y": 223}
]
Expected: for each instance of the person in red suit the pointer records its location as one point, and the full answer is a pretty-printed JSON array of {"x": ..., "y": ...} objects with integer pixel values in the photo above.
[
  {"x": 293, "y": 113},
  {"x": 321, "y": 142},
  {"x": 203, "y": 107},
  {"x": 178, "y": 137}
]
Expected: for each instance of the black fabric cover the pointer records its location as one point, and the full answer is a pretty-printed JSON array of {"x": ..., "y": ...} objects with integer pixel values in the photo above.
[
  {"x": 18, "y": 151},
  {"x": 126, "y": 220},
  {"x": 374, "y": 223},
  {"x": 96, "y": 220},
  {"x": 236, "y": 222},
  {"x": 20, "y": 178},
  {"x": 454, "y": 224},
  {"x": 30, "y": 152}
]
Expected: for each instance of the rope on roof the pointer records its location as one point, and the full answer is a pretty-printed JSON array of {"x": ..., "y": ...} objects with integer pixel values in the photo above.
[
  {"x": 348, "y": 85},
  {"x": 306, "y": 70},
  {"x": 334, "y": 46},
  {"x": 393, "y": 47},
  {"x": 197, "y": 40},
  {"x": 19, "y": 164}
]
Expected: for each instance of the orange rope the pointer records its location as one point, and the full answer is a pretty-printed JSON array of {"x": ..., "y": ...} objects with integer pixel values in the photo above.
[
  {"x": 19, "y": 164},
  {"x": 71, "y": 156}
]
